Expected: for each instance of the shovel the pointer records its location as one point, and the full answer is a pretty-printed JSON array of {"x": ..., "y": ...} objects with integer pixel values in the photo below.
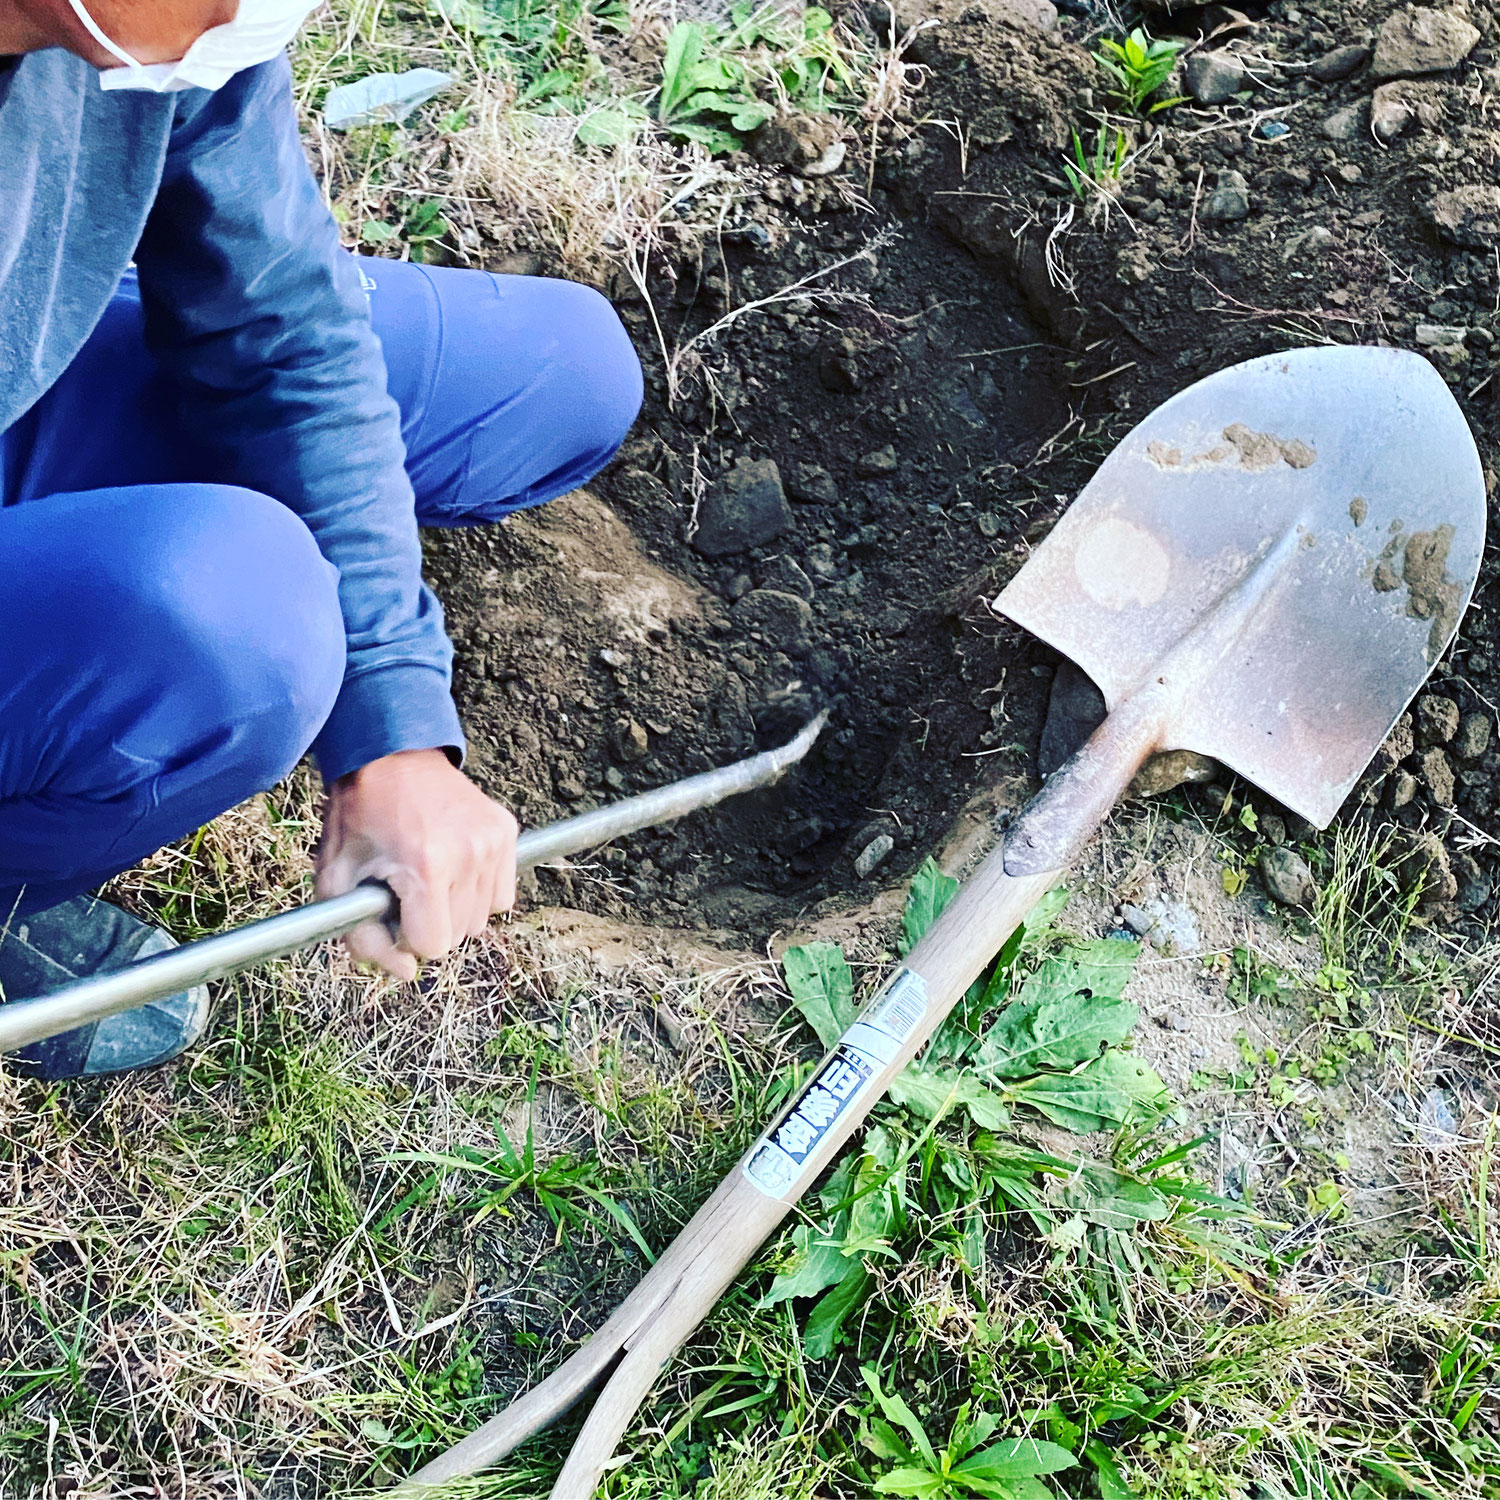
[
  {"x": 1264, "y": 571},
  {"x": 101, "y": 995}
]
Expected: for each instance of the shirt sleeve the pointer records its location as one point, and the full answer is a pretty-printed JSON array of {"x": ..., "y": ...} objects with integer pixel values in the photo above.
[{"x": 257, "y": 313}]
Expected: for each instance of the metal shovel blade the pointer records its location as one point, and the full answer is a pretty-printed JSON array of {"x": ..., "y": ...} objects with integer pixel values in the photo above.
[{"x": 1328, "y": 504}]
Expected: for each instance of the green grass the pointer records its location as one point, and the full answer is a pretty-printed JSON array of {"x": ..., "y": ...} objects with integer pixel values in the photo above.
[{"x": 360, "y": 1218}]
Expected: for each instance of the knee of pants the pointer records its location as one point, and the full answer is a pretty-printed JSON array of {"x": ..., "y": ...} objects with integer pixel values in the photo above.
[
  {"x": 564, "y": 425},
  {"x": 229, "y": 638},
  {"x": 608, "y": 368},
  {"x": 264, "y": 654}
]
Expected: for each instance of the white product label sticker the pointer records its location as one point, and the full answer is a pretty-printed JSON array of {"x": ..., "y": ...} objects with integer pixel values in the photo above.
[
  {"x": 898, "y": 1009},
  {"x": 778, "y": 1162}
]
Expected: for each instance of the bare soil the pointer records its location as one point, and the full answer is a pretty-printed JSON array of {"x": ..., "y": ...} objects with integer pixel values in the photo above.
[{"x": 931, "y": 404}]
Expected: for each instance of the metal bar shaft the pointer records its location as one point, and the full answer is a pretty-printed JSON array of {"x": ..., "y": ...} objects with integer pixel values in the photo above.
[{"x": 92, "y": 999}]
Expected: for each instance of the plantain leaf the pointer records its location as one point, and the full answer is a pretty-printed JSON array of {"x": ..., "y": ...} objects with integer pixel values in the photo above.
[
  {"x": 930, "y": 892},
  {"x": 1113, "y": 1090},
  {"x": 822, "y": 987}
]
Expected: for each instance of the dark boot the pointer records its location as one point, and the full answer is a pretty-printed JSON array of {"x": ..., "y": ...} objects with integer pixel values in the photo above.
[{"x": 82, "y": 937}]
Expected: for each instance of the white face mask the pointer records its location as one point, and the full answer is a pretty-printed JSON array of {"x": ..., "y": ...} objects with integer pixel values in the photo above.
[{"x": 260, "y": 29}]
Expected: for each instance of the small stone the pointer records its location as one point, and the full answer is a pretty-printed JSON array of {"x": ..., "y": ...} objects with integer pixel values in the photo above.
[
  {"x": 821, "y": 562},
  {"x": 1473, "y": 883},
  {"x": 812, "y": 484},
  {"x": 782, "y": 620},
  {"x": 1340, "y": 63},
  {"x": 881, "y": 461},
  {"x": 1394, "y": 107},
  {"x": 988, "y": 523},
  {"x": 1214, "y": 77},
  {"x": 613, "y": 658},
  {"x": 613, "y": 780},
  {"x": 1403, "y": 790},
  {"x": 872, "y": 854},
  {"x": 1438, "y": 775},
  {"x": 738, "y": 587},
  {"x": 1346, "y": 124},
  {"x": 746, "y": 508},
  {"x": 1273, "y": 828},
  {"x": 1437, "y": 718},
  {"x": 1473, "y": 737},
  {"x": 1467, "y": 216},
  {"x": 1138, "y": 921},
  {"x": 1229, "y": 201},
  {"x": 783, "y": 573},
  {"x": 1401, "y": 741},
  {"x": 569, "y": 788},
  {"x": 1418, "y": 39},
  {"x": 1287, "y": 877},
  {"x": 631, "y": 742}
]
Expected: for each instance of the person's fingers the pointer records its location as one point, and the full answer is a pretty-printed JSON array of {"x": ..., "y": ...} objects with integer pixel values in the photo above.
[
  {"x": 426, "y": 916},
  {"x": 372, "y": 944},
  {"x": 505, "y": 866}
]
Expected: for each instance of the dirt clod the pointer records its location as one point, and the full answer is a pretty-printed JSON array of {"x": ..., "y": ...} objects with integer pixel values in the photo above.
[
  {"x": 1473, "y": 736},
  {"x": 1468, "y": 216},
  {"x": 1417, "y": 39},
  {"x": 1438, "y": 775},
  {"x": 1437, "y": 718}
]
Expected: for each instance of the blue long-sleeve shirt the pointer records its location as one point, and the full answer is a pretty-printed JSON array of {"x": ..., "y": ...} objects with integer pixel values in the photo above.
[{"x": 258, "y": 314}]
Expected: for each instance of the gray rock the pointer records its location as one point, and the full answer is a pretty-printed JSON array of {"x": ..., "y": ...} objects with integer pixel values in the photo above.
[
  {"x": 1273, "y": 828},
  {"x": 812, "y": 484},
  {"x": 783, "y": 573},
  {"x": 1473, "y": 883},
  {"x": 1467, "y": 216},
  {"x": 1403, "y": 790},
  {"x": 1444, "y": 346},
  {"x": 821, "y": 562},
  {"x": 1340, "y": 63},
  {"x": 1170, "y": 926},
  {"x": 631, "y": 742},
  {"x": 1287, "y": 877},
  {"x": 1346, "y": 124},
  {"x": 746, "y": 508},
  {"x": 1169, "y": 769},
  {"x": 782, "y": 620},
  {"x": 1395, "y": 107},
  {"x": 872, "y": 855},
  {"x": 1437, "y": 716},
  {"x": 1213, "y": 77},
  {"x": 1473, "y": 736},
  {"x": 881, "y": 461},
  {"x": 1417, "y": 39},
  {"x": 1229, "y": 201},
  {"x": 1075, "y": 709}
]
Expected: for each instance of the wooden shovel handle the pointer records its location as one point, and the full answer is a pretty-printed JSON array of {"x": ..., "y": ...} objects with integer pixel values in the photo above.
[
  {"x": 722, "y": 1237},
  {"x": 679, "y": 1291}
]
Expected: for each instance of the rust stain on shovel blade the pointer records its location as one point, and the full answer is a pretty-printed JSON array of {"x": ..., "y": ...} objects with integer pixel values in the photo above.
[{"x": 1325, "y": 508}]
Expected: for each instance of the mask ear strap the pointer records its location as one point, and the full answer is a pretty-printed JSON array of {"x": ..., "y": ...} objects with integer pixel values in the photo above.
[{"x": 97, "y": 32}]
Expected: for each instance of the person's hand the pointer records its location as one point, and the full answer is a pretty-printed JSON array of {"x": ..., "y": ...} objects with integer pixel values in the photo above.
[{"x": 418, "y": 823}]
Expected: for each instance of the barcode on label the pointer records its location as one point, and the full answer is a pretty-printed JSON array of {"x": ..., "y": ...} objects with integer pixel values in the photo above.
[{"x": 900, "y": 1009}]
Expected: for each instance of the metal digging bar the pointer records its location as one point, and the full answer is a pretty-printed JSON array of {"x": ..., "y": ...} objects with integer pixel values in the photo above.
[{"x": 92, "y": 999}]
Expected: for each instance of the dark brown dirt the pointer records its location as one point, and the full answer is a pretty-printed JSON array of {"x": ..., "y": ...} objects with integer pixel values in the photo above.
[{"x": 974, "y": 370}]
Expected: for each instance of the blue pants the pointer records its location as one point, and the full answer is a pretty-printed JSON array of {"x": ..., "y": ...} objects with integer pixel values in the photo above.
[{"x": 170, "y": 646}]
